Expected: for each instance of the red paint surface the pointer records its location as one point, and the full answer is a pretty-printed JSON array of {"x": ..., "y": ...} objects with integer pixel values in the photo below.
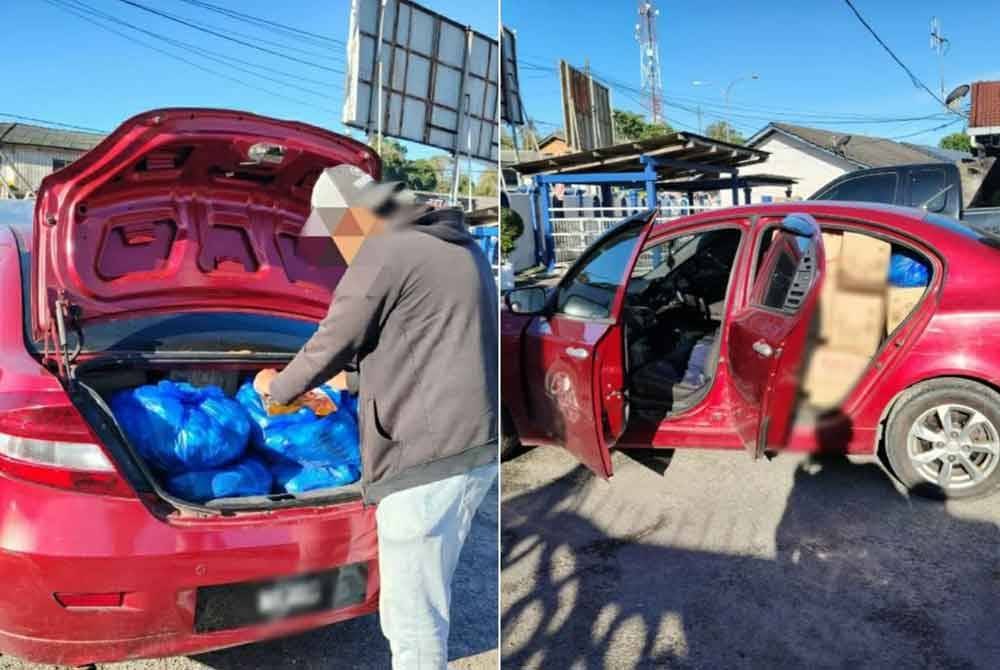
[
  {"x": 115, "y": 235},
  {"x": 955, "y": 331},
  {"x": 55, "y": 540}
]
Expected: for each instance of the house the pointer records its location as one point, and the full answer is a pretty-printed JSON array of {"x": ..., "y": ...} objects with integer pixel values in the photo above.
[
  {"x": 553, "y": 144},
  {"x": 984, "y": 116},
  {"x": 29, "y": 153},
  {"x": 815, "y": 156}
]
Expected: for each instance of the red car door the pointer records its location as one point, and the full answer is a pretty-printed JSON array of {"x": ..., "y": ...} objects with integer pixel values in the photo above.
[
  {"x": 768, "y": 337},
  {"x": 573, "y": 353}
]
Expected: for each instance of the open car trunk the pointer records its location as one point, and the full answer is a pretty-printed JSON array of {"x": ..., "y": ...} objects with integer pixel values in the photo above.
[
  {"x": 177, "y": 249},
  {"x": 98, "y": 380}
]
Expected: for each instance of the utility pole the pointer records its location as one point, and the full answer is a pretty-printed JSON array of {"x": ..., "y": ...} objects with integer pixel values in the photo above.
[
  {"x": 649, "y": 57},
  {"x": 940, "y": 44}
]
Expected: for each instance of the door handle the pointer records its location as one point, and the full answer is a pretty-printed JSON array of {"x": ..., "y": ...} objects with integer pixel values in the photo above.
[
  {"x": 576, "y": 352},
  {"x": 763, "y": 348}
]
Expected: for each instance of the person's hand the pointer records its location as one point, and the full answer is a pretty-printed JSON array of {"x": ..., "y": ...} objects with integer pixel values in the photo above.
[
  {"x": 262, "y": 382},
  {"x": 338, "y": 381}
]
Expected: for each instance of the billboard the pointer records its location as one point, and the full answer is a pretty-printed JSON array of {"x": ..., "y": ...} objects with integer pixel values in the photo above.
[
  {"x": 511, "y": 109},
  {"x": 439, "y": 78},
  {"x": 586, "y": 110}
]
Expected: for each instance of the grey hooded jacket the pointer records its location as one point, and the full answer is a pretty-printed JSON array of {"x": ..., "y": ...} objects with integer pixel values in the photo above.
[{"x": 417, "y": 309}]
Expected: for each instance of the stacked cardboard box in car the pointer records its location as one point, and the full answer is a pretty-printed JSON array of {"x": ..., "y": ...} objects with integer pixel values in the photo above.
[{"x": 852, "y": 315}]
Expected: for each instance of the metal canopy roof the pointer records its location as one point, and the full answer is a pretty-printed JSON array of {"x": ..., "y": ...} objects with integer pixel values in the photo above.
[
  {"x": 742, "y": 181},
  {"x": 701, "y": 155}
]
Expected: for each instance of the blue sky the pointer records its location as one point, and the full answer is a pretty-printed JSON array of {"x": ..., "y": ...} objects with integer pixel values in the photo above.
[
  {"x": 815, "y": 61},
  {"x": 61, "y": 68}
]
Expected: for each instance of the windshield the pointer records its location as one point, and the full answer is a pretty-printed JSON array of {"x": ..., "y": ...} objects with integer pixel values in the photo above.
[{"x": 237, "y": 333}]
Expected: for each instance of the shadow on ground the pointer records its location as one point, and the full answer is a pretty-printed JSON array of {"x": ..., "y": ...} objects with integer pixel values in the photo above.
[{"x": 853, "y": 574}]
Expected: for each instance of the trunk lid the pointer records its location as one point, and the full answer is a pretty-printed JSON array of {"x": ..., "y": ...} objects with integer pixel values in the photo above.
[{"x": 187, "y": 209}]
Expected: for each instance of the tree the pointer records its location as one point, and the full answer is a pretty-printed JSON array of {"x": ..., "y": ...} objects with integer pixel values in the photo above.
[
  {"x": 956, "y": 141},
  {"x": 394, "y": 161},
  {"x": 632, "y": 126},
  {"x": 721, "y": 130},
  {"x": 421, "y": 175},
  {"x": 487, "y": 183},
  {"x": 511, "y": 228}
]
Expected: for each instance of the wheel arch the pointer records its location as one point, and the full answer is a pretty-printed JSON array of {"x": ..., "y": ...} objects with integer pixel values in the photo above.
[{"x": 913, "y": 389}]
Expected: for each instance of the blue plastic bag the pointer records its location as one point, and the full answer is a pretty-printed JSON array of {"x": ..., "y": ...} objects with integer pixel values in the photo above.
[
  {"x": 301, "y": 436},
  {"x": 296, "y": 478},
  {"x": 694, "y": 375},
  {"x": 248, "y": 477},
  {"x": 907, "y": 270},
  {"x": 178, "y": 428}
]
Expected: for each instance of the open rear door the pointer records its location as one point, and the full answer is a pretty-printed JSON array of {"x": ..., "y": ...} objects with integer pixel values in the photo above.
[
  {"x": 574, "y": 353},
  {"x": 767, "y": 339}
]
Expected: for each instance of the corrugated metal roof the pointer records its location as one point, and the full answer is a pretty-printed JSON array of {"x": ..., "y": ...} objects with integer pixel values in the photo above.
[
  {"x": 689, "y": 149},
  {"x": 860, "y": 149},
  {"x": 39, "y": 136},
  {"x": 985, "y": 104}
]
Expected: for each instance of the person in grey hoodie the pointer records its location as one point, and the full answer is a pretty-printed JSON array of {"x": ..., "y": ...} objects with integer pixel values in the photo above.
[{"x": 416, "y": 312}]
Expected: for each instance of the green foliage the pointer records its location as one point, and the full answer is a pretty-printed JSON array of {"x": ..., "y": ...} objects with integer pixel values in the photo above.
[
  {"x": 421, "y": 175},
  {"x": 632, "y": 126},
  {"x": 511, "y": 228},
  {"x": 721, "y": 130},
  {"x": 487, "y": 184},
  {"x": 956, "y": 141}
]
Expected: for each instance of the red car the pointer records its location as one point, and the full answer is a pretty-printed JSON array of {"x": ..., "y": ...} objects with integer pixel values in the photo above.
[
  {"x": 168, "y": 251},
  {"x": 604, "y": 359}
]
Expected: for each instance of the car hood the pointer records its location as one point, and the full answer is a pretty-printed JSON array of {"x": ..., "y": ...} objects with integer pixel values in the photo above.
[{"x": 188, "y": 210}]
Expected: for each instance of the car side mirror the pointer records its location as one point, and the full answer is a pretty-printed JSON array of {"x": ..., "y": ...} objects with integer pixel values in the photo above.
[{"x": 527, "y": 300}]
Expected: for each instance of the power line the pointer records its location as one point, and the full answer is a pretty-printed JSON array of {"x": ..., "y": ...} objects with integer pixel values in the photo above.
[
  {"x": 249, "y": 18},
  {"x": 21, "y": 117},
  {"x": 207, "y": 53},
  {"x": 199, "y": 66},
  {"x": 176, "y": 19},
  {"x": 913, "y": 78},
  {"x": 927, "y": 130}
]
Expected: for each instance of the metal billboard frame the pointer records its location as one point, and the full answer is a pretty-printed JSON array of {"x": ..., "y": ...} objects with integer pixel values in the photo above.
[
  {"x": 512, "y": 109},
  {"x": 587, "y": 114},
  {"x": 439, "y": 79}
]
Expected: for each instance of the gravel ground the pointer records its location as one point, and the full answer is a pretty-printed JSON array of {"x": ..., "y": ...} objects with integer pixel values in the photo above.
[
  {"x": 358, "y": 644},
  {"x": 721, "y": 562}
]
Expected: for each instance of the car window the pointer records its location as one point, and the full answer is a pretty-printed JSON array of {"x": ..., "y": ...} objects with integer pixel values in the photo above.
[
  {"x": 590, "y": 288},
  {"x": 876, "y": 187},
  {"x": 659, "y": 259},
  {"x": 927, "y": 189}
]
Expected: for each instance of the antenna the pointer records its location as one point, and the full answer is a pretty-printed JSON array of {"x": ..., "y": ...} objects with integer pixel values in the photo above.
[
  {"x": 649, "y": 57},
  {"x": 940, "y": 44}
]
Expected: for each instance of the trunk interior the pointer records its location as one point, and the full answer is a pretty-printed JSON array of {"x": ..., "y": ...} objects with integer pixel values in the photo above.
[{"x": 98, "y": 380}]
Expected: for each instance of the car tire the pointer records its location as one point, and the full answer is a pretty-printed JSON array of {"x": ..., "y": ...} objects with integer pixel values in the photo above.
[{"x": 943, "y": 439}]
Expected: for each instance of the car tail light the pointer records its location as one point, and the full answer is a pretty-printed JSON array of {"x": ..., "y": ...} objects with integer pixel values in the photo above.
[{"x": 55, "y": 447}]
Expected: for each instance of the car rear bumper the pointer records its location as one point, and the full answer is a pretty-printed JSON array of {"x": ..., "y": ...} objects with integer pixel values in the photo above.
[{"x": 53, "y": 541}]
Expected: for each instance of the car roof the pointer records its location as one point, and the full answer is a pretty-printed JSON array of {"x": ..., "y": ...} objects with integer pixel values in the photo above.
[{"x": 931, "y": 229}]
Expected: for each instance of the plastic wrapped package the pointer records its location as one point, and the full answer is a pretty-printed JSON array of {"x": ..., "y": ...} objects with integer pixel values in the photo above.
[
  {"x": 694, "y": 375},
  {"x": 907, "y": 270},
  {"x": 297, "y": 478},
  {"x": 248, "y": 477},
  {"x": 301, "y": 437},
  {"x": 179, "y": 428}
]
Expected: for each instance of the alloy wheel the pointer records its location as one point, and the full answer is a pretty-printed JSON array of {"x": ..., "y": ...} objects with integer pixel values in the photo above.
[{"x": 953, "y": 446}]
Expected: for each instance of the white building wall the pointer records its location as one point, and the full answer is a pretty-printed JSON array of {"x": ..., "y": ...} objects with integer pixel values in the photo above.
[
  {"x": 32, "y": 163},
  {"x": 791, "y": 158}
]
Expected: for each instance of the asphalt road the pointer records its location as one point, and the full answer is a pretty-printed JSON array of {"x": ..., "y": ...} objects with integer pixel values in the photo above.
[
  {"x": 358, "y": 644},
  {"x": 724, "y": 563}
]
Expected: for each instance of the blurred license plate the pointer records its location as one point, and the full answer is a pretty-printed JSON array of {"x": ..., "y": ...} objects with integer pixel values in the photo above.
[{"x": 234, "y": 605}]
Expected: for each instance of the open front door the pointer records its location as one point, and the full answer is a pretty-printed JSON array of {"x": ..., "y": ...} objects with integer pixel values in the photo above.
[
  {"x": 573, "y": 354},
  {"x": 767, "y": 339}
]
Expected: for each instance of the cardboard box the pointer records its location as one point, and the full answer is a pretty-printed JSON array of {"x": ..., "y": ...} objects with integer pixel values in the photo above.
[
  {"x": 832, "y": 243},
  {"x": 830, "y": 374},
  {"x": 864, "y": 263},
  {"x": 857, "y": 322},
  {"x": 826, "y": 297},
  {"x": 899, "y": 303}
]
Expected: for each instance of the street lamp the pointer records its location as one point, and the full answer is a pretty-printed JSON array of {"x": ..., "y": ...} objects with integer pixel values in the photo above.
[
  {"x": 729, "y": 88},
  {"x": 725, "y": 94}
]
